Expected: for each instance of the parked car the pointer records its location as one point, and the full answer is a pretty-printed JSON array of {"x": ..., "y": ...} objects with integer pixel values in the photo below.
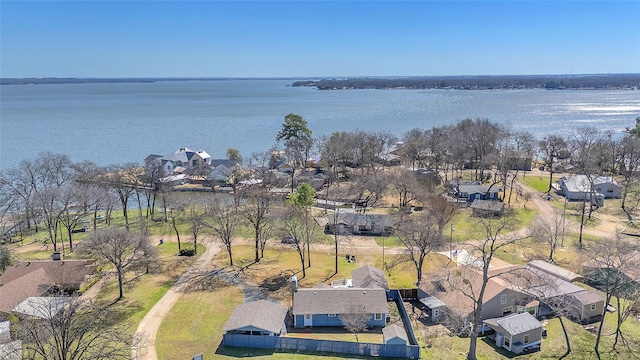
[{"x": 288, "y": 239}]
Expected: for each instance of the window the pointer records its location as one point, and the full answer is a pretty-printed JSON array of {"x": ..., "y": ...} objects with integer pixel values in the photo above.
[
  {"x": 503, "y": 299},
  {"x": 378, "y": 317},
  {"x": 531, "y": 310},
  {"x": 507, "y": 342},
  {"x": 507, "y": 310},
  {"x": 331, "y": 315},
  {"x": 194, "y": 163},
  {"x": 526, "y": 339},
  {"x": 436, "y": 313},
  {"x": 520, "y": 309},
  {"x": 593, "y": 307}
]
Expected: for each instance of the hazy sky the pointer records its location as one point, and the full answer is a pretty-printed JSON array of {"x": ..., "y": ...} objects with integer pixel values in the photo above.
[{"x": 316, "y": 38}]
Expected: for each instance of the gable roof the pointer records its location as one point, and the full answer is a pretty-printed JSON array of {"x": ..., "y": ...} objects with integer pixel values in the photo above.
[
  {"x": 351, "y": 219},
  {"x": 35, "y": 283},
  {"x": 587, "y": 297},
  {"x": 339, "y": 301},
  {"x": 478, "y": 189},
  {"x": 516, "y": 323},
  {"x": 42, "y": 307},
  {"x": 60, "y": 271},
  {"x": 394, "y": 331},
  {"x": 556, "y": 271},
  {"x": 469, "y": 279},
  {"x": 369, "y": 277},
  {"x": 487, "y": 205},
  {"x": 580, "y": 183},
  {"x": 263, "y": 314}
]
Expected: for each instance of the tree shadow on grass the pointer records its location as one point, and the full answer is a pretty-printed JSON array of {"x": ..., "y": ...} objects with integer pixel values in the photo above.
[{"x": 276, "y": 282}]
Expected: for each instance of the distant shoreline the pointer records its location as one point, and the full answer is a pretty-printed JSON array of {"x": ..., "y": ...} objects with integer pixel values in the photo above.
[
  {"x": 479, "y": 82},
  {"x": 506, "y": 82}
]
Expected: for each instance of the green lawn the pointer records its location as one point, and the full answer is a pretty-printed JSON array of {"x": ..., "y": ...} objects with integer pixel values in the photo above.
[{"x": 538, "y": 183}]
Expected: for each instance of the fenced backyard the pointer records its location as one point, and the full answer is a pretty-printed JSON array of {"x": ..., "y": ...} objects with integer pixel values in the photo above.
[{"x": 408, "y": 351}]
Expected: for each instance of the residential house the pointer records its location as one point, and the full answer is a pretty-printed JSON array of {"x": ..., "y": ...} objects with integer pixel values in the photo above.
[
  {"x": 394, "y": 335},
  {"x": 581, "y": 305},
  {"x": 261, "y": 317},
  {"x": 359, "y": 224},
  {"x": 181, "y": 160},
  {"x": 41, "y": 278},
  {"x": 221, "y": 170},
  {"x": 516, "y": 332},
  {"x": 41, "y": 307},
  {"x": 313, "y": 307},
  {"x": 324, "y": 305},
  {"x": 469, "y": 193},
  {"x": 556, "y": 271},
  {"x": 520, "y": 161},
  {"x": 369, "y": 277},
  {"x": 9, "y": 350},
  {"x": 579, "y": 187},
  {"x": 450, "y": 289},
  {"x": 487, "y": 208}
]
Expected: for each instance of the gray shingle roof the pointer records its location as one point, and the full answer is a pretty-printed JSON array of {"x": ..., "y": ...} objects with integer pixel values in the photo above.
[
  {"x": 581, "y": 183},
  {"x": 588, "y": 297},
  {"x": 556, "y": 271},
  {"x": 42, "y": 307},
  {"x": 516, "y": 323},
  {"x": 262, "y": 314},
  {"x": 487, "y": 205},
  {"x": 393, "y": 331},
  {"x": 369, "y": 277},
  {"x": 351, "y": 219},
  {"x": 339, "y": 301}
]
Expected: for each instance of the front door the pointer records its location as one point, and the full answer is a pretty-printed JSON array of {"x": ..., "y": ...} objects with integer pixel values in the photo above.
[{"x": 308, "y": 320}]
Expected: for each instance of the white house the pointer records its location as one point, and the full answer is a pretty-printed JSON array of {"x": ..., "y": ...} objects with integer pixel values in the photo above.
[{"x": 579, "y": 187}]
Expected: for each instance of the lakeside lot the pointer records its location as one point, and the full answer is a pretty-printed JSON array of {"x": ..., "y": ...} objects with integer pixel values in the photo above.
[{"x": 194, "y": 325}]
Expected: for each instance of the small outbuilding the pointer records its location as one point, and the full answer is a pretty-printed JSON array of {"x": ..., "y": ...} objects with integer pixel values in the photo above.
[
  {"x": 517, "y": 333},
  {"x": 487, "y": 208},
  {"x": 394, "y": 335},
  {"x": 359, "y": 224},
  {"x": 261, "y": 317}
]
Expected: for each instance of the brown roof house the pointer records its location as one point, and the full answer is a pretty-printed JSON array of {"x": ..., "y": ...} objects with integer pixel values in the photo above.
[
  {"x": 578, "y": 304},
  {"x": 450, "y": 288},
  {"x": 41, "y": 278},
  {"x": 261, "y": 317}
]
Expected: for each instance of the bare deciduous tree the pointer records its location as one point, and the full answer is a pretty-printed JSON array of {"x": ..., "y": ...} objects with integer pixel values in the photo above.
[
  {"x": 355, "y": 320},
  {"x": 419, "y": 235},
  {"x": 117, "y": 246},
  {"x": 223, "y": 222},
  {"x": 81, "y": 330}
]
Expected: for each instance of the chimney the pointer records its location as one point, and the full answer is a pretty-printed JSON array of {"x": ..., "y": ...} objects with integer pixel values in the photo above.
[{"x": 294, "y": 286}]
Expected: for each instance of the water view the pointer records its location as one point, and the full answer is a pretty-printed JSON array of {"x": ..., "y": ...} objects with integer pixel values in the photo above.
[{"x": 124, "y": 122}]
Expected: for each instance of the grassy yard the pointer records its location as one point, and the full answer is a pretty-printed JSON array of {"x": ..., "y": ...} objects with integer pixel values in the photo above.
[
  {"x": 538, "y": 183},
  {"x": 273, "y": 272}
]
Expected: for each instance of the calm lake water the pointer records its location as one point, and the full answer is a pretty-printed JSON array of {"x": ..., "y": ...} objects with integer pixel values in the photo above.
[{"x": 118, "y": 123}]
